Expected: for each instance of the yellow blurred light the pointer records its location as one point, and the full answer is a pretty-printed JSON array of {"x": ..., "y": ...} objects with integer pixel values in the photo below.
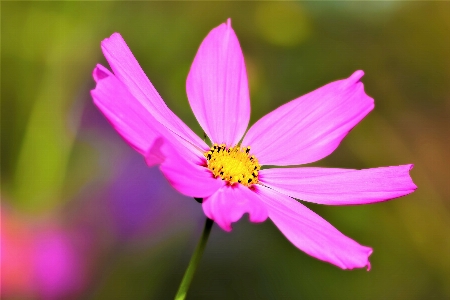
[{"x": 282, "y": 23}]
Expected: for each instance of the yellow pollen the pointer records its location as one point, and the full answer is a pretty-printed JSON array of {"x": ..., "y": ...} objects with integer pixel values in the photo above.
[{"x": 234, "y": 165}]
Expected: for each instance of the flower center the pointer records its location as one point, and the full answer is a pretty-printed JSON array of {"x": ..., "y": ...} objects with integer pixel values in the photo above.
[{"x": 233, "y": 164}]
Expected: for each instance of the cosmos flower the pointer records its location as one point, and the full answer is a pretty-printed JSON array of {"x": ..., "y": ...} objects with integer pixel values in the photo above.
[{"x": 228, "y": 175}]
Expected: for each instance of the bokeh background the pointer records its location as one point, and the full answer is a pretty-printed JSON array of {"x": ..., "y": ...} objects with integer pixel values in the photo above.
[{"x": 82, "y": 217}]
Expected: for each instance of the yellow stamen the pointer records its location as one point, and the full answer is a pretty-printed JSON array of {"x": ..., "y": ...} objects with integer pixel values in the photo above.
[{"x": 234, "y": 165}]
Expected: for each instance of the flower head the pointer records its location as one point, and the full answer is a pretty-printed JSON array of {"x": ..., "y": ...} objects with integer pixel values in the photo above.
[{"x": 228, "y": 174}]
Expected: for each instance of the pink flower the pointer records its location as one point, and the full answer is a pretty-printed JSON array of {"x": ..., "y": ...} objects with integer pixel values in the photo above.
[
  {"x": 228, "y": 176},
  {"x": 39, "y": 260}
]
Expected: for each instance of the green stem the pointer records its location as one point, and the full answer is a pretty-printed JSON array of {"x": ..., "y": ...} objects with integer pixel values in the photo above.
[{"x": 187, "y": 278}]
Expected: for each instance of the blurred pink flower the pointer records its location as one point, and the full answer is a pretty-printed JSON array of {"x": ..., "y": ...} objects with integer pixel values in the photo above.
[
  {"x": 229, "y": 177},
  {"x": 39, "y": 261},
  {"x": 59, "y": 267},
  {"x": 16, "y": 258}
]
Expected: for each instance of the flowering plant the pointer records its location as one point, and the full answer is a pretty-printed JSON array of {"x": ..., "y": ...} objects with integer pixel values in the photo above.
[{"x": 228, "y": 174}]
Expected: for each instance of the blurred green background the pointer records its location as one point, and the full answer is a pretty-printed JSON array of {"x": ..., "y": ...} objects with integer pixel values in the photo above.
[{"x": 83, "y": 217}]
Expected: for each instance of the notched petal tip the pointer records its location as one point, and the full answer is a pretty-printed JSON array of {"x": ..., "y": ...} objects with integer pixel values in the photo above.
[
  {"x": 362, "y": 263},
  {"x": 413, "y": 185},
  {"x": 112, "y": 38},
  {"x": 355, "y": 78},
  {"x": 99, "y": 73}
]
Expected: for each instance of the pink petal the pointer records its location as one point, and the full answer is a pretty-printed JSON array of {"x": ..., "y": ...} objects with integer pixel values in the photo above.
[
  {"x": 217, "y": 86},
  {"x": 311, "y": 126},
  {"x": 312, "y": 234},
  {"x": 340, "y": 186},
  {"x": 133, "y": 122},
  {"x": 128, "y": 71},
  {"x": 229, "y": 203},
  {"x": 185, "y": 171}
]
